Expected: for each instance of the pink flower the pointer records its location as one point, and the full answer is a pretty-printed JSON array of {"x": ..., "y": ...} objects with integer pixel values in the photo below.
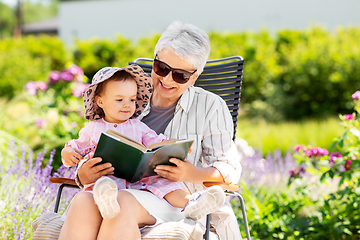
[
  {"x": 308, "y": 153},
  {"x": 78, "y": 91},
  {"x": 317, "y": 152},
  {"x": 66, "y": 76},
  {"x": 334, "y": 156},
  {"x": 297, "y": 147},
  {"x": 31, "y": 87},
  {"x": 41, "y": 85},
  {"x": 75, "y": 70},
  {"x": 356, "y": 95},
  {"x": 40, "y": 123},
  {"x": 323, "y": 151},
  {"x": 54, "y": 77},
  {"x": 348, "y": 117}
]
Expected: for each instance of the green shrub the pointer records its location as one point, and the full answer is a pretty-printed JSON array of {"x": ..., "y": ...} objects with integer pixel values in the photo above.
[
  {"x": 94, "y": 54},
  {"x": 289, "y": 75},
  {"x": 318, "y": 73},
  {"x": 29, "y": 59},
  {"x": 47, "y": 114},
  {"x": 338, "y": 213}
]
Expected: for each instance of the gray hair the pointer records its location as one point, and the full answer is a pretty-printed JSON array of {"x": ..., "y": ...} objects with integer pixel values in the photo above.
[{"x": 188, "y": 41}]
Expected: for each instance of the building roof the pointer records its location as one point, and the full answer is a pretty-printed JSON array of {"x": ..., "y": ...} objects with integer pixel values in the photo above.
[{"x": 48, "y": 25}]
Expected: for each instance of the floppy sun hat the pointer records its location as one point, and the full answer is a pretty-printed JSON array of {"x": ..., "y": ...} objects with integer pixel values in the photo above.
[{"x": 144, "y": 89}]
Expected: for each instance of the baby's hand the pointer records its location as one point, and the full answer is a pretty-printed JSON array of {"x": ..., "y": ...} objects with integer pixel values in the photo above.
[{"x": 70, "y": 156}]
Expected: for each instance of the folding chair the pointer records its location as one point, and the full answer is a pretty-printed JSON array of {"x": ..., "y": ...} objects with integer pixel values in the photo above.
[{"x": 222, "y": 77}]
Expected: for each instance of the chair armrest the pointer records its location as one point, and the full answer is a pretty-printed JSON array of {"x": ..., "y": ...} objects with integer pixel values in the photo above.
[
  {"x": 69, "y": 181},
  {"x": 226, "y": 186}
]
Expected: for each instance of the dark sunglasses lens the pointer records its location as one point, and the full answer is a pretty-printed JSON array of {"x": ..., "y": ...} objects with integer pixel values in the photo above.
[
  {"x": 161, "y": 69},
  {"x": 180, "y": 76}
]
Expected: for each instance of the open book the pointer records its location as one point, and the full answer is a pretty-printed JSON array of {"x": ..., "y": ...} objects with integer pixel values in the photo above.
[{"x": 132, "y": 160}]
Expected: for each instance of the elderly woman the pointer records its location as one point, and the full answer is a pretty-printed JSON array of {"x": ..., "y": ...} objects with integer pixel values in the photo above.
[{"x": 178, "y": 110}]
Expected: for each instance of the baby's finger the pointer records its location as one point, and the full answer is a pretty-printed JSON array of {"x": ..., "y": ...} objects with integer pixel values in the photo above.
[
  {"x": 77, "y": 156},
  {"x": 75, "y": 159}
]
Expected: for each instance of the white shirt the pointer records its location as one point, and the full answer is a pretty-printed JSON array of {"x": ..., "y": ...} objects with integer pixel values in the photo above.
[{"x": 204, "y": 117}]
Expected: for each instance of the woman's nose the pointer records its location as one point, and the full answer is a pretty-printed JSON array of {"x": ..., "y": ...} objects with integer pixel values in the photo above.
[{"x": 168, "y": 78}]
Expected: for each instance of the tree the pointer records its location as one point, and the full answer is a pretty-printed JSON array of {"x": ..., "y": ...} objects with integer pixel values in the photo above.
[
  {"x": 39, "y": 10},
  {"x": 7, "y": 21}
]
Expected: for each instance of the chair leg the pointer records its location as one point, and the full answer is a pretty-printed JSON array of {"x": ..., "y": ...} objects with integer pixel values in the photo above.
[
  {"x": 58, "y": 197},
  {"x": 207, "y": 231},
  {"x": 242, "y": 205}
]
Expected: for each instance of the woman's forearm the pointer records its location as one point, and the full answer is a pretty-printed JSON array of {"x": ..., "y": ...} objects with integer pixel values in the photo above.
[{"x": 207, "y": 174}]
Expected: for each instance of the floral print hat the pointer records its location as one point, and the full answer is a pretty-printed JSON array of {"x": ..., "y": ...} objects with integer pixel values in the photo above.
[{"x": 144, "y": 90}]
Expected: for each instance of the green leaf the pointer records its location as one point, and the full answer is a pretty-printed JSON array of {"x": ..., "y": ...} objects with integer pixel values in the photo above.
[
  {"x": 341, "y": 143},
  {"x": 355, "y": 132},
  {"x": 333, "y": 145},
  {"x": 323, "y": 176},
  {"x": 347, "y": 231}
]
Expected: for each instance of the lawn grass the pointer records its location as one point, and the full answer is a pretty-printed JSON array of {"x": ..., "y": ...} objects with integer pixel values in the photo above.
[{"x": 283, "y": 136}]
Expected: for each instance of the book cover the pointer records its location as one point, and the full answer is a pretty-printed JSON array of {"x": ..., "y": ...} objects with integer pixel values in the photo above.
[{"x": 132, "y": 160}]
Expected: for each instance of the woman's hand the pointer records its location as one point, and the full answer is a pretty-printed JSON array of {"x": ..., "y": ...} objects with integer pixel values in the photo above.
[
  {"x": 70, "y": 156},
  {"x": 88, "y": 173},
  {"x": 184, "y": 171}
]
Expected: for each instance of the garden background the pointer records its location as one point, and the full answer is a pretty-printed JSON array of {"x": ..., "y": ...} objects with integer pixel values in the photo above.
[{"x": 300, "y": 160}]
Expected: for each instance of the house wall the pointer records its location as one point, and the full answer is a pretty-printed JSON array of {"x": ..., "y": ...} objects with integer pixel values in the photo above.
[{"x": 135, "y": 18}]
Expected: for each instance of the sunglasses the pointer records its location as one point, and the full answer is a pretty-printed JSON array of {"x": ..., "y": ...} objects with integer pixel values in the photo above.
[{"x": 178, "y": 75}]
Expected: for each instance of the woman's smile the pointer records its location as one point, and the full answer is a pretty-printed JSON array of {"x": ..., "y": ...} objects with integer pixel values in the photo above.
[{"x": 166, "y": 87}]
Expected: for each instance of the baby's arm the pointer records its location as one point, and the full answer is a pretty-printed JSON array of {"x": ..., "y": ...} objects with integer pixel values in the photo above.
[{"x": 70, "y": 156}]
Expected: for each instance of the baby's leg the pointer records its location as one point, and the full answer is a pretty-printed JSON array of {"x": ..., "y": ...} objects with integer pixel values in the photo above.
[
  {"x": 177, "y": 198},
  {"x": 105, "y": 196}
]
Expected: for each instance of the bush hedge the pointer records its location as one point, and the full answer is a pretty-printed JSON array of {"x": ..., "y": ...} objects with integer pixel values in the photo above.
[
  {"x": 29, "y": 59},
  {"x": 289, "y": 75}
]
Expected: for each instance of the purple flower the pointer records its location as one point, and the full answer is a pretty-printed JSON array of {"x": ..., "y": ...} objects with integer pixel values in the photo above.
[
  {"x": 347, "y": 165},
  {"x": 40, "y": 123},
  {"x": 348, "y": 117},
  {"x": 333, "y": 156},
  {"x": 66, "y": 76},
  {"x": 41, "y": 85},
  {"x": 78, "y": 91},
  {"x": 54, "y": 76},
  {"x": 293, "y": 172},
  {"x": 31, "y": 87},
  {"x": 356, "y": 95},
  {"x": 297, "y": 171}
]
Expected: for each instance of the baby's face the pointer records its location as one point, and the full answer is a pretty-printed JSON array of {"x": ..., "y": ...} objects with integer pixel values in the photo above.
[{"x": 118, "y": 100}]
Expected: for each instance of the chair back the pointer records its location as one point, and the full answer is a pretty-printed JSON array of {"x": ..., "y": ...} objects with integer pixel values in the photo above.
[{"x": 221, "y": 76}]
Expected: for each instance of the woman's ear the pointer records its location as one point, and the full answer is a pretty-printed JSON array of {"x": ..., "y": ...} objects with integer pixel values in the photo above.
[{"x": 194, "y": 78}]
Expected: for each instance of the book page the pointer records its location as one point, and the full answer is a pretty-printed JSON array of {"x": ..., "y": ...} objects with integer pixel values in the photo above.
[
  {"x": 164, "y": 143},
  {"x": 126, "y": 139}
]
